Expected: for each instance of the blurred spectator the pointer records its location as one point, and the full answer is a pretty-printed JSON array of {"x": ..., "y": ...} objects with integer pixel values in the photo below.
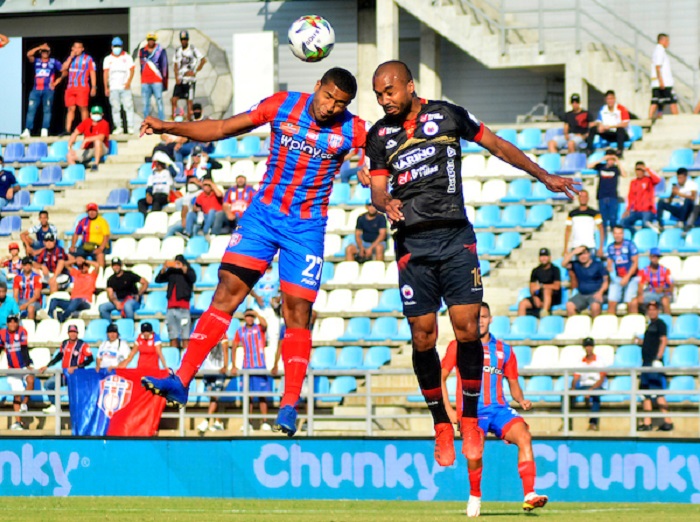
[
  {"x": 27, "y": 289},
  {"x": 184, "y": 203},
  {"x": 47, "y": 75},
  {"x": 159, "y": 184},
  {"x": 661, "y": 79},
  {"x": 684, "y": 197},
  {"x": 653, "y": 347},
  {"x": 118, "y": 71},
  {"x": 640, "y": 199},
  {"x": 79, "y": 67},
  {"x": 206, "y": 205},
  {"x": 94, "y": 232},
  {"x": 4, "y": 40},
  {"x": 8, "y": 185},
  {"x": 545, "y": 288},
  {"x": 33, "y": 238},
  {"x": 50, "y": 261},
  {"x": 12, "y": 263},
  {"x": 200, "y": 165},
  {"x": 609, "y": 171},
  {"x": 73, "y": 353},
  {"x": 589, "y": 277},
  {"x": 13, "y": 339},
  {"x": 623, "y": 260},
  {"x": 154, "y": 74},
  {"x": 112, "y": 351},
  {"x": 84, "y": 276},
  {"x": 181, "y": 279},
  {"x": 590, "y": 380},
  {"x": 95, "y": 143},
  {"x": 197, "y": 114},
  {"x": 267, "y": 287},
  {"x": 188, "y": 62},
  {"x": 8, "y": 305},
  {"x": 123, "y": 292},
  {"x": 370, "y": 237},
  {"x": 216, "y": 361},
  {"x": 148, "y": 348},
  {"x": 576, "y": 125},
  {"x": 581, "y": 226},
  {"x": 251, "y": 337},
  {"x": 613, "y": 120},
  {"x": 655, "y": 283},
  {"x": 236, "y": 202}
]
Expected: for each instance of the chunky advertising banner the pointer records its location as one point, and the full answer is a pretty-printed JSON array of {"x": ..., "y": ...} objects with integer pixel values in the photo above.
[{"x": 573, "y": 470}]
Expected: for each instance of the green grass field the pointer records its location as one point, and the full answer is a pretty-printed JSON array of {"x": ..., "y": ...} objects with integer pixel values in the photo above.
[{"x": 184, "y": 509}]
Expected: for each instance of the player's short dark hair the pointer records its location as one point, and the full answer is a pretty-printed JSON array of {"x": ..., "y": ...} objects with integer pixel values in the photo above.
[
  {"x": 609, "y": 92},
  {"x": 660, "y": 36},
  {"x": 42, "y": 212},
  {"x": 484, "y": 304},
  {"x": 342, "y": 78},
  {"x": 682, "y": 171}
]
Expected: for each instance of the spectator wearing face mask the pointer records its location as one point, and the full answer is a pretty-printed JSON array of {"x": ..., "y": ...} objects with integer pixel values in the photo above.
[
  {"x": 118, "y": 71},
  {"x": 95, "y": 144}
]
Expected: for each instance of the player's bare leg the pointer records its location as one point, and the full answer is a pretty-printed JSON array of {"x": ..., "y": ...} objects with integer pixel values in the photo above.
[{"x": 519, "y": 434}]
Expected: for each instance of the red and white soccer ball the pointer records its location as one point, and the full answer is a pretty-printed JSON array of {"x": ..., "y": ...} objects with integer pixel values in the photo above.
[{"x": 311, "y": 38}]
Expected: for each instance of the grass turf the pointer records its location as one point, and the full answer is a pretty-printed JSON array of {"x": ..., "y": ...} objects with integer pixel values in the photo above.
[{"x": 76, "y": 509}]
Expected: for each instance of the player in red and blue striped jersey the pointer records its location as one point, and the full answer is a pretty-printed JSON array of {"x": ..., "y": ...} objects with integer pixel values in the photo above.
[
  {"x": 311, "y": 134},
  {"x": 494, "y": 413},
  {"x": 13, "y": 339}
]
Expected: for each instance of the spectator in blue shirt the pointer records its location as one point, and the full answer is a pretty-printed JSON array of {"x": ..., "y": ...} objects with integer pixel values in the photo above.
[
  {"x": 609, "y": 170},
  {"x": 623, "y": 259},
  {"x": 8, "y": 305},
  {"x": 589, "y": 277},
  {"x": 370, "y": 236},
  {"x": 8, "y": 185},
  {"x": 47, "y": 75}
]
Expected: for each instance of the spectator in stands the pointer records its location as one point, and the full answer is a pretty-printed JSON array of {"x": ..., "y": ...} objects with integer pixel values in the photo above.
[
  {"x": 27, "y": 289},
  {"x": 188, "y": 62},
  {"x": 577, "y": 123},
  {"x": 370, "y": 237},
  {"x": 118, "y": 71},
  {"x": 8, "y": 185},
  {"x": 653, "y": 348},
  {"x": 640, "y": 199},
  {"x": 181, "y": 279},
  {"x": 47, "y": 75},
  {"x": 79, "y": 67},
  {"x": 33, "y": 239},
  {"x": 8, "y": 305},
  {"x": 184, "y": 203},
  {"x": 684, "y": 197},
  {"x": 661, "y": 79},
  {"x": 545, "y": 288},
  {"x": 94, "y": 232},
  {"x": 12, "y": 263},
  {"x": 267, "y": 288},
  {"x": 148, "y": 348},
  {"x": 613, "y": 120},
  {"x": 206, "y": 205},
  {"x": 84, "y": 276},
  {"x": 200, "y": 165},
  {"x": 236, "y": 201},
  {"x": 251, "y": 337},
  {"x": 197, "y": 114},
  {"x": 590, "y": 380},
  {"x": 216, "y": 361},
  {"x": 50, "y": 262},
  {"x": 112, "y": 351},
  {"x": 154, "y": 74},
  {"x": 95, "y": 145},
  {"x": 609, "y": 171},
  {"x": 589, "y": 277},
  {"x": 123, "y": 291},
  {"x": 159, "y": 184},
  {"x": 623, "y": 260},
  {"x": 581, "y": 226},
  {"x": 13, "y": 339},
  {"x": 655, "y": 283}
]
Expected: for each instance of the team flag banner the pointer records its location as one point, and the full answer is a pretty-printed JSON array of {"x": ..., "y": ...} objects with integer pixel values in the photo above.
[{"x": 113, "y": 402}]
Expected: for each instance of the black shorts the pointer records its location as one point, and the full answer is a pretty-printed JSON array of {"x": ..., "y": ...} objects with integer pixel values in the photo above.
[
  {"x": 438, "y": 264},
  {"x": 184, "y": 90},
  {"x": 652, "y": 381},
  {"x": 556, "y": 298},
  {"x": 661, "y": 97}
]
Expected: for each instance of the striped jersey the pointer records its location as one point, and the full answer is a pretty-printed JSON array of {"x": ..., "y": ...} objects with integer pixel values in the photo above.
[
  {"x": 252, "y": 338},
  {"x": 15, "y": 344},
  {"x": 74, "y": 353},
  {"x": 13, "y": 266},
  {"x": 304, "y": 157},
  {"x": 45, "y": 72},
  {"x": 656, "y": 279},
  {"x": 28, "y": 286},
  {"x": 79, "y": 71},
  {"x": 50, "y": 258},
  {"x": 239, "y": 199}
]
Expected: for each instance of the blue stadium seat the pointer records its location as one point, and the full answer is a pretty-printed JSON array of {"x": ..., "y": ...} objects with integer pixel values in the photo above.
[
  {"x": 41, "y": 200},
  {"x": 513, "y": 216},
  {"x": 548, "y": 136},
  {"x": 404, "y": 333},
  {"x": 112, "y": 219},
  {"x": 529, "y": 139},
  {"x": 131, "y": 223},
  {"x": 247, "y": 147},
  {"x": 264, "y": 149},
  {"x": 646, "y": 239},
  {"x": 202, "y": 302},
  {"x": 685, "y": 355},
  {"x": 522, "y": 328},
  {"x": 551, "y": 162},
  {"x": 679, "y": 158},
  {"x": 573, "y": 162},
  {"x": 687, "y": 327},
  {"x": 58, "y": 153},
  {"x": 196, "y": 246},
  {"x": 485, "y": 266},
  {"x": 172, "y": 356},
  {"x": 340, "y": 194},
  {"x": 500, "y": 326},
  {"x": 523, "y": 354},
  {"x": 696, "y": 163},
  {"x": 14, "y": 152},
  {"x": 628, "y": 355},
  {"x": 35, "y": 151},
  {"x": 153, "y": 303},
  {"x": 485, "y": 242},
  {"x": 96, "y": 330},
  {"x": 233, "y": 386},
  {"x": 537, "y": 384},
  {"x": 682, "y": 383},
  {"x": 506, "y": 243},
  {"x": 232, "y": 328},
  {"x": 538, "y": 215},
  {"x": 322, "y": 358},
  {"x": 360, "y": 196},
  {"x": 72, "y": 174},
  {"x": 49, "y": 175},
  {"x": 197, "y": 269},
  {"x": 594, "y": 158},
  {"x": 540, "y": 193},
  {"x": 469, "y": 147},
  {"x": 621, "y": 383},
  {"x": 692, "y": 242},
  {"x": 518, "y": 190},
  {"x": 225, "y": 148},
  {"x": 142, "y": 174},
  {"x": 136, "y": 195},
  {"x": 487, "y": 216},
  {"x": 548, "y": 328},
  {"x": 127, "y": 330},
  {"x": 347, "y": 240},
  {"x": 635, "y": 133},
  {"x": 350, "y": 358},
  {"x": 113, "y": 148},
  {"x": 327, "y": 272},
  {"x": 558, "y": 385},
  {"x": 340, "y": 387},
  {"x": 116, "y": 198},
  {"x": 376, "y": 357},
  {"x": 384, "y": 329},
  {"x": 390, "y": 301},
  {"x": 358, "y": 329},
  {"x": 9, "y": 225},
  {"x": 21, "y": 200},
  {"x": 210, "y": 277},
  {"x": 510, "y": 135},
  {"x": 523, "y": 293},
  {"x": 27, "y": 175},
  {"x": 670, "y": 240}
]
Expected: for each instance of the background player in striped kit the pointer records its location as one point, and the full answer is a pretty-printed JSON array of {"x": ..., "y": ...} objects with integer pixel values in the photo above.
[
  {"x": 13, "y": 339},
  {"x": 82, "y": 84}
]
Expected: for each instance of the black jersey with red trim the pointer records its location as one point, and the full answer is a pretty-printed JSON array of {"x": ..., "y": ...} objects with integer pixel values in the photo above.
[{"x": 423, "y": 160}]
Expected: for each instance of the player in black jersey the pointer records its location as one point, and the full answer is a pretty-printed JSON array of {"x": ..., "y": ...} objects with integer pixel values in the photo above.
[{"x": 415, "y": 150}]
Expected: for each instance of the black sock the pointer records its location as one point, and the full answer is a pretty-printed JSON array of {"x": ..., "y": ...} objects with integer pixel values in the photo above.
[
  {"x": 470, "y": 362},
  {"x": 428, "y": 371}
]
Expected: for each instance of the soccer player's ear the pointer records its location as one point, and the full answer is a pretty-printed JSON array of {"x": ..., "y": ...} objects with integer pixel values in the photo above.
[{"x": 317, "y": 86}]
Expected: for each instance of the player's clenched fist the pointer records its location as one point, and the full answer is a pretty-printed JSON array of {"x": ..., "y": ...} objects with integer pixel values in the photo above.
[{"x": 151, "y": 125}]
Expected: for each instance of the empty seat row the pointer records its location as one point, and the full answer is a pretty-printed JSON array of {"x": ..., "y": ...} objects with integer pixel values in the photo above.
[
  {"x": 39, "y": 151},
  {"x": 245, "y": 147},
  {"x": 513, "y": 216},
  {"x": 358, "y": 329},
  {"x": 498, "y": 190},
  {"x": 349, "y": 358},
  {"x": 50, "y": 175}
]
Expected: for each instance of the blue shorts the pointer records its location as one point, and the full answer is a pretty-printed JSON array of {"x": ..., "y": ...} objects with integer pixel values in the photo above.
[
  {"x": 498, "y": 419},
  {"x": 262, "y": 232},
  {"x": 260, "y": 383}
]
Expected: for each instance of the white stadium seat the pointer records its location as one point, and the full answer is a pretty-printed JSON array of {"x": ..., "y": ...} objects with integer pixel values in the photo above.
[
  {"x": 331, "y": 244},
  {"x": 545, "y": 356},
  {"x": 472, "y": 191},
  {"x": 471, "y": 213},
  {"x": 320, "y": 303},
  {"x": 346, "y": 272},
  {"x": 30, "y": 326},
  {"x": 244, "y": 167},
  {"x": 604, "y": 327},
  {"x": 371, "y": 273},
  {"x": 576, "y": 328},
  {"x": 351, "y": 219},
  {"x": 391, "y": 277},
  {"x": 364, "y": 300},
  {"x": 147, "y": 248},
  {"x": 473, "y": 165},
  {"x": 336, "y": 219},
  {"x": 330, "y": 329},
  {"x": 339, "y": 300},
  {"x": 673, "y": 263},
  {"x": 631, "y": 326},
  {"x": 47, "y": 331},
  {"x": 40, "y": 357},
  {"x": 123, "y": 248},
  {"x": 156, "y": 223},
  {"x": 688, "y": 297},
  {"x": 691, "y": 269},
  {"x": 258, "y": 173},
  {"x": 174, "y": 219},
  {"x": 571, "y": 356},
  {"x": 217, "y": 248},
  {"x": 605, "y": 354},
  {"x": 169, "y": 248},
  {"x": 144, "y": 270},
  {"x": 222, "y": 175},
  {"x": 493, "y": 190}
]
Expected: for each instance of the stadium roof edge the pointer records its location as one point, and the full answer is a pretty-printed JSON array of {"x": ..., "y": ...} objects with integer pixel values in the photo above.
[{"x": 27, "y": 7}]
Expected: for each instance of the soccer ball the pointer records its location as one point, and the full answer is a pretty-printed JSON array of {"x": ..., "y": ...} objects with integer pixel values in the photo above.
[{"x": 311, "y": 38}]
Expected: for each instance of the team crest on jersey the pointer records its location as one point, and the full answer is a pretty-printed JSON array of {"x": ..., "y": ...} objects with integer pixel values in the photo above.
[
  {"x": 115, "y": 394},
  {"x": 388, "y": 130},
  {"x": 431, "y": 117},
  {"x": 235, "y": 239},
  {"x": 312, "y": 135},
  {"x": 289, "y": 128},
  {"x": 407, "y": 292},
  {"x": 335, "y": 140},
  {"x": 430, "y": 128}
]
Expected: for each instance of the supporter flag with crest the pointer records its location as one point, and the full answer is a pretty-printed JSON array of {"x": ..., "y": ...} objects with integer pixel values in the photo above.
[{"x": 113, "y": 403}]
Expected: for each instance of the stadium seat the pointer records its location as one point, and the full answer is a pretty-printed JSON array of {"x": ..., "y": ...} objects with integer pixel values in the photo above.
[
  {"x": 147, "y": 248},
  {"x": 116, "y": 198},
  {"x": 346, "y": 272},
  {"x": 169, "y": 248},
  {"x": 131, "y": 223},
  {"x": 473, "y": 165},
  {"x": 493, "y": 191},
  {"x": 40, "y": 200},
  {"x": 22, "y": 199},
  {"x": 329, "y": 329},
  {"x": 670, "y": 240},
  {"x": 47, "y": 331},
  {"x": 523, "y": 354},
  {"x": 571, "y": 356},
  {"x": 551, "y": 162},
  {"x": 679, "y": 158},
  {"x": 322, "y": 358},
  {"x": 14, "y": 152},
  {"x": 529, "y": 139},
  {"x": 688, "y": 298},
  {"x": 685, "y": 356},
  {"x": 217, "y": 247},
  {"x": 548, "y": 136},
  {"x": 548, "y": 329},
  {"x": 469, "y": 147},
  {"x": 340, "y": 194},
  {"x": 545, "y": 356},
  {"x": 645, "y": 239},
  {"x": 522, "y": 328},
  {"x": 360, "y": 196},
  {"x": 336, "y": 220},
  {"x": 510, "y": 135},
  {"x": 682, "y": 383},
  {"x": 358, "y": 329},
  {"x": 389, "y": 301},
  {"x": 371, "y": 273},
  {"x": 35, "y": 151},
  {"x": 631, "y": 326},
  {"x": 384, "y": 329},
  {"x": 513, "y": 216},
  {"x": 27, "y": 176},
  {"x": 635, "y": 133},
  {"x": 540, "y": 193},
  {"x": 628, "y": 355},
  {"x": 604, "y": 326},
  {"x": 247, "y": 147},
  {"x": 505, "y": 244},
  {"x": 350, "y": 358},
  {"x": 376, "y": 357},
  {"x": 127, "y": 329},
  {"x": 687, "y": 327},
  {"x": 538, "y": 215},
  {"x": 365, "y": 299},
  {"x": 57, "y": 153},
  {"x": 112, "y": 219},
  {"x": 573, "y": 162},
  {"x": 154, "y": 303},
  {"x": 196, "y": 246},
  {"x": 72, "y": 174},
  {"x": 487, "y": 216},
  {"x": 673, "y": 263},
  {"x": 536, "y": 385},
  {"x": 226, "y": 148},
  {"x": 485, "y": 242},
  {"x": 691, "y": 269},
  {"x": 49, "y": 175},
  {"x": 500, "y": 326},
  {"x": 142, "y": 175},
  {"x": 136, "y": 195},
  {"x": 485, "y": 266},
  {"x": 621, "y": 383},
  {"x": 471, "y": 189},
  {"x": 96, "y": 330},
  {"x": 340, "y": 387},
  {"x": 171, "y": 355},
  {"x": 404, "y": 333},
  {"x": 331, "y": 245},
  {"x": 10, "y": 225},
  {"x": 156, "y": 224},
  {"x": 518, "y": 191},
  {"x": 327, "y": 272}
]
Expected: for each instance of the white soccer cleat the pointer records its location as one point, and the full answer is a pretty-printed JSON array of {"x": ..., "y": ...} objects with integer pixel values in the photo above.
[
  {"x": 473, "y": 506},
  {"x": 533, "y": 500}
]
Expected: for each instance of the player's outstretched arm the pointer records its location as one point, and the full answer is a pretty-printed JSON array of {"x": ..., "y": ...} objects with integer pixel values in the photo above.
[
  {"x": 204, "y": 131},
  {"x": 382, "y": 200},
  {"x": 517, "y": 393}
]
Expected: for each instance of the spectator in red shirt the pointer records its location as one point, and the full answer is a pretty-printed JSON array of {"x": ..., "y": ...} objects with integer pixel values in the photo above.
[
  {"x": 206, "y": 205},
  {"x": 13, "y": 339},
  {"x": 236, "y": 202},
  {"x": 640, "y": 200},
  {"x": 655, "y": 283},
  {"x": 96, "y": 139},
  {"x": 27, "y": 288},
  {"x": 84, "y": 276},
  {"x": 51, "y": 261},
  {"x": 80, "y": 67}
]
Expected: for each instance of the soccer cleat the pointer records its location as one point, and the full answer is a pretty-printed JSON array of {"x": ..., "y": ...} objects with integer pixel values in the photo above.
[
  {"x": 473, "y": 506},
  {"x": 472, "y": 438},
  {"x": 170, "y": 387},
  {"x": 444, "y": 444},
  {"x": 286, "y": 421},
  {"x": 533, "y": 500}
]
